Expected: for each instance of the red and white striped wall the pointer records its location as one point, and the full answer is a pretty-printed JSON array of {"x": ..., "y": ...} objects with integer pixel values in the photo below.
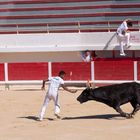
[{"x": 107, "y": 71}]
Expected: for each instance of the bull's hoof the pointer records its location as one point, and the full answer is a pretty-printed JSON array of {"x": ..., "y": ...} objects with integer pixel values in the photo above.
[
  {"x": 133, "y": 113},
  {"x": 129, "y": 116}
]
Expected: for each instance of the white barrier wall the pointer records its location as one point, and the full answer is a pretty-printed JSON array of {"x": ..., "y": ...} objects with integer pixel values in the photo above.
[{"x": 58, "y": 46}]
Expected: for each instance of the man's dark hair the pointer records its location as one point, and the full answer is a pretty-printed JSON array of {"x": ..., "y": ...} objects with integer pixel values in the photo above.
[
  {"x": 62, "y": 73},
  {"x": 129, "y": 23}
]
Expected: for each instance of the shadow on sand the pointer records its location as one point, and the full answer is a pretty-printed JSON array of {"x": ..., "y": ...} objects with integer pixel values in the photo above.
[
  {"x": 35, "y": 118},
  {"x": 104, "y": 116}
]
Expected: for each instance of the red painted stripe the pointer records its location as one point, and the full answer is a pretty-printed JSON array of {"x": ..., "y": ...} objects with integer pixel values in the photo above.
[
  {"x": 51, "y": 31},
  {"x": 138, "y": 69},
  {"x": 72, "y": 15},
  {"x": 114, "y": 70},
  {"x": 40, "y": 24},
  {"x": 70, "y": 8},
  {"x": 1, "y": 72},
  {"x": 94, "y": 30},
  {"x": 74, "y": 71},
  {"x": 27, "y": 71},
  {"x": 61, "y": 31},
  {"x": 117, "y": 59},
  {"x": 8, "y": 32},
  {"x": 46, "y": 1}
]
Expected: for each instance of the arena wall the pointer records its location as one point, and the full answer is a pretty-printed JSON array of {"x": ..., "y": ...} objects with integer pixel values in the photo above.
[
  {"x": 108, "y": 71},
  {"x": 39, "y": 38}
]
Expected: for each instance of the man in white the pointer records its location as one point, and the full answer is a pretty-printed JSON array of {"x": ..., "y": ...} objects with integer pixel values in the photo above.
[
  {"x": 52, "y": 93},
  {"x": 86, "y": 56},
  {"x": 123, "y": 35}
]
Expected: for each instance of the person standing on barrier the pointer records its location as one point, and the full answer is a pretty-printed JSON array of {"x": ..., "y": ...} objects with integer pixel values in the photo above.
[
  {"x": 123, "y": 35},
  {"x": 52, "y": 93}
]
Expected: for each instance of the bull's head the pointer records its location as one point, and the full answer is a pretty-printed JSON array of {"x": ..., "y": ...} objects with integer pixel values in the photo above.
[{"x": 85, "y": 95}]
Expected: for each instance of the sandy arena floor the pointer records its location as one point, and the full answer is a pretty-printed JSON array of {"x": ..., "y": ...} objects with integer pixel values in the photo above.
[{"x": 90, "y": 121}]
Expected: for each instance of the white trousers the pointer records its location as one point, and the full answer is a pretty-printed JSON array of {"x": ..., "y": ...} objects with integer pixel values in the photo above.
[
  {"x": 123, "y": 39},
  {"x": 50, "y": 96}
]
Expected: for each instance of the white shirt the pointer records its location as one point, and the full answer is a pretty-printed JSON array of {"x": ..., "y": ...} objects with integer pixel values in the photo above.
[
  {"x": 87, "y": 58},
  {"x": 122, "y": 27},
  {"x": 55, "y": 83}
]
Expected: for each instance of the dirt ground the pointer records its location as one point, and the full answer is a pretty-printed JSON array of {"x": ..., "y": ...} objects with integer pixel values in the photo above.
[{"x": 89, "y": 121}]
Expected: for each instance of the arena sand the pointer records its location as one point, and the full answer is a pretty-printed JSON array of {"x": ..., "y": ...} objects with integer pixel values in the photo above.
[{"x": 89, "y": 121}]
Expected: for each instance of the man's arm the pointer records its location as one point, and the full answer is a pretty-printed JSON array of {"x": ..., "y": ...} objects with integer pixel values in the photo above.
[
  {"x": 67, "y": 89},
  {"x": 43, "y": 84}
]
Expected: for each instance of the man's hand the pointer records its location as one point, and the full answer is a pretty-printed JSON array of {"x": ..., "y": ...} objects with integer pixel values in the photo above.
[
  {"x": 127, "y": 31},
  {"x": 43, "y": 88}
]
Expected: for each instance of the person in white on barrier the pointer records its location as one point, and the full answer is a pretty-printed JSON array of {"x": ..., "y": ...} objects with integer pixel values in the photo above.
[
  {"x": 123, "y": 35},
  {"x": 52, "y": 93}
]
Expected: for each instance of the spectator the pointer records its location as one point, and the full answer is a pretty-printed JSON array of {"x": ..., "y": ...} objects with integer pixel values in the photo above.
[
  {"x": 86, "y": 56},
  {"x": 123, "y": 35}
]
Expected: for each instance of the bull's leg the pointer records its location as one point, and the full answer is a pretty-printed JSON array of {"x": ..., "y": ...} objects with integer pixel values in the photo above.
[
  {"x": 136, "y": 107},
  {"x": 123, "y": 114}
]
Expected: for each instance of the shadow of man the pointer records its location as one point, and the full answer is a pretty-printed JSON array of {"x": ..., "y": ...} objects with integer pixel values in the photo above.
[{"x": 108, "y": 43}]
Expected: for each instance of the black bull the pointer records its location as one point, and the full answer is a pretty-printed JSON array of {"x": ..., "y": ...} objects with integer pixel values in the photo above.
[{"x": 115, "y": 96}]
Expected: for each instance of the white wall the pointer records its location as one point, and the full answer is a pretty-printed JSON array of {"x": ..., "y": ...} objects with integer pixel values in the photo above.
[{"x": 57, "y": 46}]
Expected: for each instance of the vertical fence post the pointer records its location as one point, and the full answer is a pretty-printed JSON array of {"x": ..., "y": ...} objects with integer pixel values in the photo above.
[
  {"x": 135, "y": 71},
  {"x": 139, "y": 25},
  {"x": 6, "y": 76},
  {"x": 92, "y": 71},
  {"x": 108, "y": 26},
  {"x": 17, "y": 29},
  {"x": 47, "y": 28},
  {"x": 49, "y": 69},
  {"x": 79, "y": 27}
]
